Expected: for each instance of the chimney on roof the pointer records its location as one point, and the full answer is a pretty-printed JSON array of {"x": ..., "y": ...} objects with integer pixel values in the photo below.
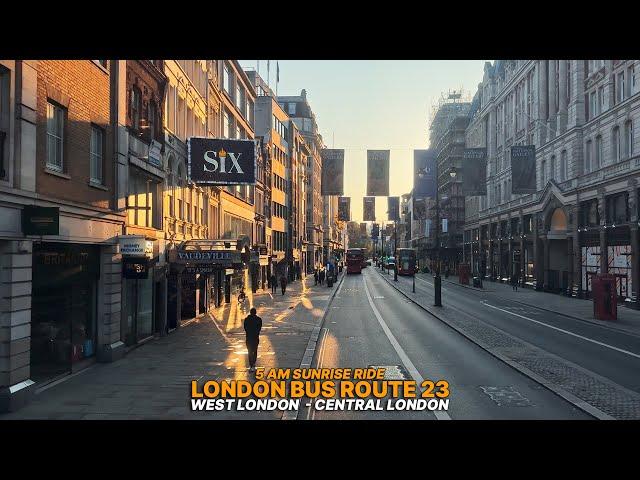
[{"x": 304, "y": 94}]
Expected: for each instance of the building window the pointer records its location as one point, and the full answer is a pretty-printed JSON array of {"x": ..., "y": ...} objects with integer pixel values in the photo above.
[
  {"x": 226, "y": 80},
  {"x": 616, "y": 152},
  {"x": 226, "y": 124},
  {"x": 593, "y": 106},
  {"x": 180, "y": 118},
  {"x": 617, "y": 211},
  {"x": 564, "y": 167},
  {"x": 631, "y": 74},
  {"x": 620, "y": 87},
  {"x": 587, "y": 156},
  {"x": 628, "y": 135},
  {"x": 292, "y": 109},
  {"x": 152, "y": 120},
  {"x": 543, "y": 172},
  {"x": 599, "y": 152},
  {"x": 171, "y": 109},
  {"x": 55, "y": 137},
  {"x": 552, "y": 168},
  {"x": 4, "y": 120},
  {"x": 97, "y": 155},
  {"x": 135, "y": 108}
]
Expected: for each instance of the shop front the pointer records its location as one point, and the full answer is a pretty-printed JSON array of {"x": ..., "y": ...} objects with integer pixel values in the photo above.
[
  {"x": 138, "y": 262},
  {"x": 200, "y": 272},
  {"x": 64, "y": 308}
]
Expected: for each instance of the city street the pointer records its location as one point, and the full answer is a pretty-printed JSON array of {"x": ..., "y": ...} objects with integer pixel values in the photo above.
[
  {"x": 370, "y": 323},
  {"x": 597, "y": 363}
]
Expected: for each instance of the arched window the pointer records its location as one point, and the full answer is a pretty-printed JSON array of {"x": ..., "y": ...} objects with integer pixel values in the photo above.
[
  {"x": 588, "y": 152},
  {"x": 628, "y": 137},
  {"x": 599, "y": 152},
  {"x": 564, "y": 167},
  {"x": 616, "y": 151}
]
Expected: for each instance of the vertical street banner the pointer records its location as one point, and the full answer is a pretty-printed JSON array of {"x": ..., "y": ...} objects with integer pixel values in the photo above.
[
  {"x": 425, "y": 180},
  {"x": 375, "y": 231},
  {"x": 363, "y": 229},
  {"x": 523, "y": 169},
  {"x": 474, "y": 171},
  {"x": 378, "y": 173},
  {"x": 393, "y": 204},
  {"x": 344, "y": 209},
  {"x": 215, "y": 161},
  {"x": 332, "y": 178},
  {"x": 369, "y": 209}
]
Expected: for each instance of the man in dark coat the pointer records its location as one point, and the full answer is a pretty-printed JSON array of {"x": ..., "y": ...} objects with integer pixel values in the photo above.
[
  {"x": 283, "y": 283},
  {"x": 252, "y": 327},
  {"x": 315, "y": 277},
  {"x": 274, "y": 283}
]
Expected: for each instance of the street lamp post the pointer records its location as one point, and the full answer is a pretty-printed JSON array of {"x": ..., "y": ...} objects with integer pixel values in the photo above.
[
  {"x": 437, "y": 280},
  {"x": 395, "y": 251}
]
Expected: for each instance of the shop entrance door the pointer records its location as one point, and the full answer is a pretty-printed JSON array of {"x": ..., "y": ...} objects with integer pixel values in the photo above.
[
  {"x": 139, "y": 315},
  {"x": 63, "y": 308}
]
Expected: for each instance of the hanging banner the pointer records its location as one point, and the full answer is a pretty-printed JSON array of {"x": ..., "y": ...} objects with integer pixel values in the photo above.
[
  {"x": 393, "y": 205},
  {"x": 344, "y": 209},
  {"x": 216, "y": 161},
  {"x": 378, "y": 173},
  {"x": 369, "y": 209},
  {"x": 523, "y": 169},
  {"x": 474, "y": 171},
  {"x": 332, "y": 178},
  {"x": 425, "y": 180}
]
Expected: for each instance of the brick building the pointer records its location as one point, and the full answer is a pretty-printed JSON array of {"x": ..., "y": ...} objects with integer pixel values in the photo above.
[{"x": 61, "y": 289}]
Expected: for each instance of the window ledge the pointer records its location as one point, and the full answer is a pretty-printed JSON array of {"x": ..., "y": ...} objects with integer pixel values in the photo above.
[
  {"x": 56, "y": 173},
  {"x": 97, "y": 185},
  {"x": 97, "y": 64}
]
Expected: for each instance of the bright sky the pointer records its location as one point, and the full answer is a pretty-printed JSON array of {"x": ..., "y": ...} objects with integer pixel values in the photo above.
[{"x": 375, "y": 105}]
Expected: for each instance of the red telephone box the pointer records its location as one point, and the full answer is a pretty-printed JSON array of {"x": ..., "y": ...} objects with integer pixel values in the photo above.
[
  {"x": 605, "y": 298},
  {"x": 463, "y": 273}
]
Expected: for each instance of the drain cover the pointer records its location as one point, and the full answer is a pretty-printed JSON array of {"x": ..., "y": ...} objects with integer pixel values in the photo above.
[{"x": 507, "y": 397}]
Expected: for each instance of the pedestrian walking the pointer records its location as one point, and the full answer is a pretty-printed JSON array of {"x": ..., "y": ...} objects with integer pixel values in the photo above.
[
  {"x": 322, "y": 276},
  {"x": 274, "y": 283},
  {"x": 315, "y": 277},
  {"x": 514, "y": 282},
  {"x": 283, "y": 283},
  {"x": 252, "y": 327}
]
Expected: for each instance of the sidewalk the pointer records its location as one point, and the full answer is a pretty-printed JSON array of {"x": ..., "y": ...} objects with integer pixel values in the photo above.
[
  {"x": 628, "y": 318},
  {"x": 153, "y": 380}
]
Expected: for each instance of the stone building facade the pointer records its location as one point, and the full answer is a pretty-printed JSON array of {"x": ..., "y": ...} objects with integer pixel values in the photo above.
[{"x": 582, "y": 116}]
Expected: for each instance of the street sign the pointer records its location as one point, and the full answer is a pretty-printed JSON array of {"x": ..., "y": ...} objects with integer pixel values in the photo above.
[{"x": 40, "y": 220}]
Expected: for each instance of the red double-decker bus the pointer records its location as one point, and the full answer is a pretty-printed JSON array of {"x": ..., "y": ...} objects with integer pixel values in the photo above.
[
  {"x": 355, "y": 259},
  {"x": 406, "y": 262}
]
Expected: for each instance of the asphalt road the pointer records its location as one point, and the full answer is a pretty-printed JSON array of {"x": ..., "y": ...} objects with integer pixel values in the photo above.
[
  {"x": 371, "y": 323},
  {"x": 613, "y": 354}
]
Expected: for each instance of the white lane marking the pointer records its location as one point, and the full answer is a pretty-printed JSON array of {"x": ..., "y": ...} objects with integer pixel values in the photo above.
[
  {"x": 563, "y": 331},
  {"x": 323, "y": 342},
  {"x": 431, "y": 284},
  {"x": 411, "y": 368}
]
